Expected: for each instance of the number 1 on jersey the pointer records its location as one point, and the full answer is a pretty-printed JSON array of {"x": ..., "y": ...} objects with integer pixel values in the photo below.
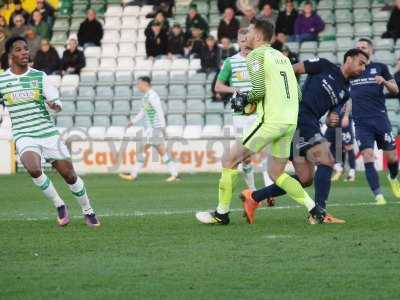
[{"x": 283, "y": 74}]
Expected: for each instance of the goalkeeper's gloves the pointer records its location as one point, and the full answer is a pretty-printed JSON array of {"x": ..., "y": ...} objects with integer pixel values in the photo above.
[{"x": 238, "y": 102}]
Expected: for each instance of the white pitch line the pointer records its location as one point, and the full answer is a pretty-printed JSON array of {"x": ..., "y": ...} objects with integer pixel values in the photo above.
[{"x": 22, "y": 217}]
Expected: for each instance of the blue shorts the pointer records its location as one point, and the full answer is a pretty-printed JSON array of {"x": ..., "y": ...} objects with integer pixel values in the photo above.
[
  {"x": 308, "y": 134},
  {"x": 346, "y": 134},
  {"x": 371, "y": 130}
]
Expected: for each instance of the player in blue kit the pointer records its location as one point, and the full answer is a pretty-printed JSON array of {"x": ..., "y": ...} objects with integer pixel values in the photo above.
[
  {"x": 342, "y": 140},
  {"x": 326, "y": 90},
  {"x": 372, "y": 122}
]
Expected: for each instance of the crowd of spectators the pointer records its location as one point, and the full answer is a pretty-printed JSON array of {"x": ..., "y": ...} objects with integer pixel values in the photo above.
[{"x": 36, "y": 27}]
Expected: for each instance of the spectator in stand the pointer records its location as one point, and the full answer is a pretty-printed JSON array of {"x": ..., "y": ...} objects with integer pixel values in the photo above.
[
  {"x": 228, "y": 26},
  {"x": 273, "y": 3},
  {"x": 3, "y": 39},
  {"x": 224, "y": 4},
  {"x": 90, "y": 31},
  {"x": 285, "y": 22},
  {"x": 176, "y": 42},
  {"x": 393, "y": 25},
  {"x": 47, "y": 11},
  {"x": 308, "y": 24},
  {"x": 73, "y": 59},
  {"x": 41, "y": 27},
  {"x": 20, "y": 27},
  {"x": 160, "y": 19},
  {"x": 226, "y": 49},
  {"x": 164, "y": 6},
  {"x": 4, "y": 26},
  {"x": 196, "y": 43},
  {"x": 156, "y": 42},
  {"x": 33, "y": 42},
  {"x": 210, "y": 56},
  {"x": 248, "y": 15},
  {"x": 194, "y": 19},
  {"x": 268, "y": 14},
  {"x": 19, "y": 11},
  {"x": 47, "y": 59}
]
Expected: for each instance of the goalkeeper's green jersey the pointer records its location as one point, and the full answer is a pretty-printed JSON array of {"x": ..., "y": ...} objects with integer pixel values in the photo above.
[{"x": 274, "y": 86}]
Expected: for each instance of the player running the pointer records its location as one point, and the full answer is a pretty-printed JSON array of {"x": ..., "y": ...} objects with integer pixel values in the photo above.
[
  {"x": 325, "y": 91},
  {"x": 234, "y": 72},
  {"x": 26, "y": 92},
  {"x": 345, "y": 144},
  {"x": 154, "y": 131},
  {"x": 275, "y": 90},
  {"x": 372, "y": 122}
]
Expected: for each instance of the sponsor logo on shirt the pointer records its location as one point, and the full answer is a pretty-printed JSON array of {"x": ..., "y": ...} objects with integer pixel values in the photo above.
[{"x": 373, "y": 71}]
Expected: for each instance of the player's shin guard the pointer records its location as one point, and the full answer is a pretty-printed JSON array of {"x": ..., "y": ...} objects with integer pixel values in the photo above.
[
  {"x": 322, "y": 184},
  {"x": 170, "y": 165},
  {"x": 249, "y": 176},
  {"x": 48, "y": 189},
  {"x": 227, "y": 183},
  {"x": 79, "y": 191},
  {"x": 294, "y": 189},
  {"x": 393, "y": 169},
  {"x": 372, "y": 178}
]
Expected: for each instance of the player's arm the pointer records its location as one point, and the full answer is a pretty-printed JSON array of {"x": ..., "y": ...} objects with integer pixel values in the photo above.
[
  {"x": 311, "y": 66},
  {"x": 136, "y": 118},
  {"x": 255, "y": 66},
  {"x": 346, "y": 116},
  {"x": 387, "y": 80},
  {"x": 223, "y": 77},
  {"x": 156, "y": 103},
  {"x": 51, "y": 95}
]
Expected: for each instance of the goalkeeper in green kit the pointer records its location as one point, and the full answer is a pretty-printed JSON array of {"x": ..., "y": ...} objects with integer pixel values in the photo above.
[{"x": 275, "y": 91}]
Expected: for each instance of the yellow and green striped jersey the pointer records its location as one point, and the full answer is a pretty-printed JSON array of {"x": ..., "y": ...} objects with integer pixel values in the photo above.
[
  {"x": 24, "y": 97},
  {"x": 274, "y": 86}
]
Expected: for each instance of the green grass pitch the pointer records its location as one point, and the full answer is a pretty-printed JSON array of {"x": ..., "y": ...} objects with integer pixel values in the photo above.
[{"x": 151, "y": 247}]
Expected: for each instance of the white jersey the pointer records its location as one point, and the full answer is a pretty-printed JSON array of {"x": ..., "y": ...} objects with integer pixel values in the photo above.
[
  {"x": 25, "y": 96},
  {"x": 152, "y": 111}
]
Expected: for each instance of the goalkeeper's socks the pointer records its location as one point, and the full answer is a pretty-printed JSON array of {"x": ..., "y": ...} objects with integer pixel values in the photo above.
[
  {"x": 270, "y": 191},
  {"x": 170, "y": 165},
  {"x": 227, "y": 183},
  {"x": 351, "y": 156},
  {"x": 294, "y": 189},
  {"x": 393, "y": 169},
  {"x": 322, "y": 184},
  {"x": 249, "y": 176},
  {"x": 79, "y": 191},
  {"x": 48, "y": 189},
  {"x": 372, "y": 178}
]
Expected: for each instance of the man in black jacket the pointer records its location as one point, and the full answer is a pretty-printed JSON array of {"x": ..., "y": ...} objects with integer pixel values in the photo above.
[
  {"x": 73, "y": 59},
  {"x": 194, "y": 19},
  {"x": 156, "y": 42},
  {"x": 176, "y": 41},
  {"x": 47, "y": 59},
  {"x": 285, "y": 22},
  {"x": 393, "y": 25},
  {"x": 90, "y": 31}
]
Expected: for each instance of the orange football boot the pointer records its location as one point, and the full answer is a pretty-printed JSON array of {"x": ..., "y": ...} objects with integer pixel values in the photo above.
[
  {"x": 249, "y": 205},
  {"x": 330, "y": 219}
]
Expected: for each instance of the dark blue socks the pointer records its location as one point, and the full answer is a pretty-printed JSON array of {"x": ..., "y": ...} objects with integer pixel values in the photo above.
[
  {"x": 393, "y": 169},
  {"x": 372, "y": 178},
  {"x": 270, "y": 191},
  {"x": 352, "y": 159},
  {"x": 322, "y": 184}
]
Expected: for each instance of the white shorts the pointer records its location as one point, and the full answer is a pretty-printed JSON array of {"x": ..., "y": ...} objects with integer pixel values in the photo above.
[
  {"x": 50, "y": 148},
  {"x": 242, "y": 124},
  {"x": 154, "y": 136}
]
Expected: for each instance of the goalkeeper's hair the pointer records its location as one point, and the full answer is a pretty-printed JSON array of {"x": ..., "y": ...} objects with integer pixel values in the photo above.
[
  {"x": 266, "y": 27},
  {"x": 354, "y": 52}
]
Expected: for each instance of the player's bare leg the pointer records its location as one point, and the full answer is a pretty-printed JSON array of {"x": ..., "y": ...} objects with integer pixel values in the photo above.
[
  {"x": 33, "y": 164},
  {"x": 77, "y": 188},
  {"x": 372, "y": 175},
  {"x": 162, "y": 151},
  {"x": 227, "y": 183},
  {"x": 393, "y": 166}
]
